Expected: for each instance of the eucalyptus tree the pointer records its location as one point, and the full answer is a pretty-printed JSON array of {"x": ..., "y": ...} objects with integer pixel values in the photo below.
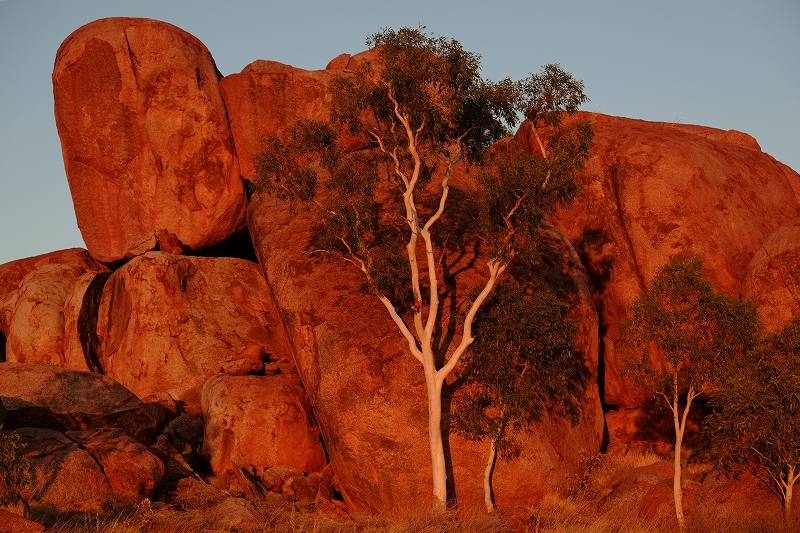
[
  {"x": 756, "y": 418},
  {"x": 520, "y": 365},
  {"x": 695, "y": 333},
  {"x": 423, "y": 108}
]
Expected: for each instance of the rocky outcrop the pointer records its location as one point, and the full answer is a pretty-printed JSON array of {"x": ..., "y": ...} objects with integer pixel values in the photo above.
[
  {"x": 268, "y": 97},
  {"x": 145, "y": 138},
  {"x": 12, "y": 273},
  {"x": 167, "y": 323},
  {"x": 654, "y": 190},
  {"x": 34, "y": 324},
  {"x": 368, "y": 393},
  {"x": 44, "y": 396},
  {"x": 88, "y": 470},
  {"x": 772, "y": 279},
  {"x": 253, "y": 423}
]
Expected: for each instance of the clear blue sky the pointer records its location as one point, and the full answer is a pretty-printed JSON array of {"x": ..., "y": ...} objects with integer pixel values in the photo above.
[{"x": 730, "y": 64}]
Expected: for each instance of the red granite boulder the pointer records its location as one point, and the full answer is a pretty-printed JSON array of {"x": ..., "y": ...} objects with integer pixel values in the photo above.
[
  {"x": 267, "y": 97},
  {"x": 653, "y": 190},
  {"x": 45, "y": 396},
  {"x": 144, "y": 132},
  {"x": 772, "y": 279},
  {"x": 167, "y": 323},
  {"x": 253, "y": 423}
]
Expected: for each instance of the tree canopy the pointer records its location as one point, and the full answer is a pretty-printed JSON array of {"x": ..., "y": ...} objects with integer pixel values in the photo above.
[{"x": 422, "y": 108}]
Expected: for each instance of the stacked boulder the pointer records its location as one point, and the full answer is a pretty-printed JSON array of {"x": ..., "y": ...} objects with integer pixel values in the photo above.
[{"x": 142, "y": 358}]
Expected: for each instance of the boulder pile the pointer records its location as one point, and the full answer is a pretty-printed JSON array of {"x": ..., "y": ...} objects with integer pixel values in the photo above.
[{"x": 147, "y": 366}]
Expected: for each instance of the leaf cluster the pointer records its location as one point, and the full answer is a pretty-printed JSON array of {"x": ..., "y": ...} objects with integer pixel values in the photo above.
[
  {"x": 545, "y": 96},
  {"x": 517, "y": 190},
  {"x": 756, "y": 414},
  {"x": 520, "y": 364},
  {"x": 13, "y": 466},
  {"x": 699, "y": 333}
]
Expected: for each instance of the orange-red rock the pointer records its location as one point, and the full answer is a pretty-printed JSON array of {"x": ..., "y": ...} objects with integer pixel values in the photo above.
[
  {"x": 167, "y": 323},
  {"x": 253, "y": 423},
  {"x": 653, "y": 190},
  {"x": 11, "y": 273},
  {"x": 88, "y": 471},
  {"x": 145, "y": 138},
  {"x": 14, "y": 523},
  {"x": 368, "y": 392},
  {"x": 772, "y": 279},
  {"x": 267, "y": 97},
  {"x": 46, "y": 396},
  {"x": 35, "y": 315}
]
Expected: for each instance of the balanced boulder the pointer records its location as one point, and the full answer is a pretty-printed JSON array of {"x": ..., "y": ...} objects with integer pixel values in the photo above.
[{"x": 145, "y": 138}]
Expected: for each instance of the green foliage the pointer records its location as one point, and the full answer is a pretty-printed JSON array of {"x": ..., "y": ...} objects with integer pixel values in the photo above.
[
  {"x": 545, "y": 96},
  {"x": 520, "y": 365},
  {"x": 700, "y": 333},
  {"x": 756, "y": 415},
  {"x": 13, "y": 466}
]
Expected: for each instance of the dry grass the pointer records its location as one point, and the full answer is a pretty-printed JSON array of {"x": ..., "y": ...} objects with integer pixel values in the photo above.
[{"x": 556, "y": 513}]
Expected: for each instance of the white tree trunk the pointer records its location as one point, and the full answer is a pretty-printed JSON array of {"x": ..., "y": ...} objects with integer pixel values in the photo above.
[{"x": 487, "y": 478}]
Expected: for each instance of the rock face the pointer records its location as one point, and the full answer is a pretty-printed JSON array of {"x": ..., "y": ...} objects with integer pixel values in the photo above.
[
  {"x": 145, "y": 138},
  {"x": 253, "y": 423},
  {"x": 167, "y": 323},
  {"x": 772, "y": 279},
  {"x": 654, "y": 190},
  {"x": 11, "y": 274},
  {"x": 88, "y": 470},
  {"x": 368, "y": 393},
  {"x": 48, "y": 397},
  {"x": 267, "y": 97},
  {"x": 35, "y": 315}
]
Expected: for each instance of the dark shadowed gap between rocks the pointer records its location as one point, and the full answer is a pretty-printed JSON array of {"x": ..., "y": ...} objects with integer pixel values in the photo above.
[
  {"x": 239, "y": 246},
  {"x": 2, "y": 347},
  {"x": 87, "y": 322}
]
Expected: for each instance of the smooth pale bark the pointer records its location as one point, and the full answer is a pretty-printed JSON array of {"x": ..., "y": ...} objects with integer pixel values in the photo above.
[
  {"x": 421, "y": 344},
  {"x": 787, "y": 488},
  {"x": 487, "y": 477},
  {"x": 680, "y": 428}
]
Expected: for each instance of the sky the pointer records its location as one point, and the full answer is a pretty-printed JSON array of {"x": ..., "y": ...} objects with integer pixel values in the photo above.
[{"x": 729, "y": 64}]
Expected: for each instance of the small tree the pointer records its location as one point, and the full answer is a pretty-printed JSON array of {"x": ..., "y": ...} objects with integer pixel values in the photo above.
[
  {"x": 697, "y": 332},
  {"x": 520, "y": 364},
  {"x": 756, "y": 416},
  {"x": 424, "y": 108}
]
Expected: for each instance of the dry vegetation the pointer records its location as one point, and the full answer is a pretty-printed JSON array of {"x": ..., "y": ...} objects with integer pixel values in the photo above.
[{"x": 572, "y": 509}]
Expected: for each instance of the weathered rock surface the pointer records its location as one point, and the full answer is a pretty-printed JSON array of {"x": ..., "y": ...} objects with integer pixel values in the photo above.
[
  {"x": 35, "y": 315},
  {"x": 368, "y": 393},
  {"x": 167, "y": 323},
  {"x": 253, "y": 423},
  {"x": 81, "y": 345},
  {"x": 654, "y": 190},
  {"x": 12, "y": 273},
  {"x": 772, "y": 279},
  {"x": 44, "y": 396},
  {"x": 14, "y": 523},
  {"x": 145, "y": 138},
  {"x": 267, "y": 97},
  {"x": 88, "y": 470}
]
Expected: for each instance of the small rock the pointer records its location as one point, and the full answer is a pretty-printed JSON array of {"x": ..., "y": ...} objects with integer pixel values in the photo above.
[{"x": 243, "y": 367}]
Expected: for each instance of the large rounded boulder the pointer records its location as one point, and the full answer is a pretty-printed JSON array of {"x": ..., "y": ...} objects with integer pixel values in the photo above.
[
  {"x": 145, "y": 138},
  {"x": 654, "y": 190},
  {"x": 268, "y": 97},
  {"x": 167, "y": 323}
]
